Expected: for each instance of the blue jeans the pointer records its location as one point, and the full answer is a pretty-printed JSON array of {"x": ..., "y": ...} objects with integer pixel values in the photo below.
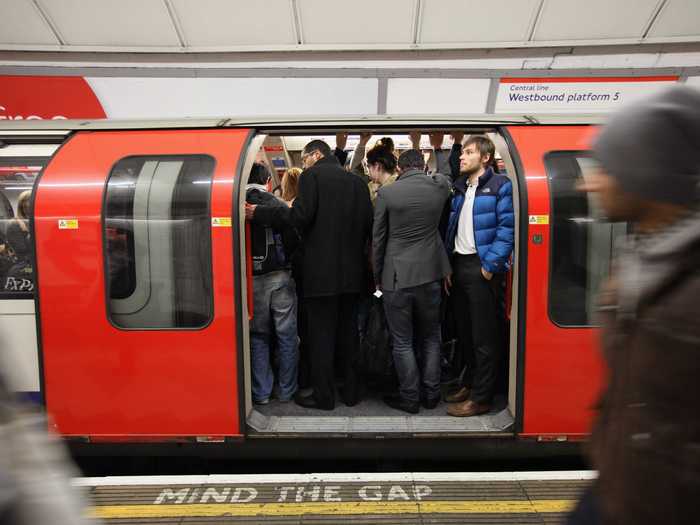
[
  {"x": 410, "y": 311},
  {"x": 274, "y": 315}
]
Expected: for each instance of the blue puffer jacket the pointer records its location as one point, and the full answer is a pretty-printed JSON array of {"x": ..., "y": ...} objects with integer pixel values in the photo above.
[{"x": 494, "y": 222}]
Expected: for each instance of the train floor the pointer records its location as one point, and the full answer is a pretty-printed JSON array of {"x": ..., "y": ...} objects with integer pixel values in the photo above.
[
  {"x": 398, "y": 498},
  {"x": 373, "y": 416}
]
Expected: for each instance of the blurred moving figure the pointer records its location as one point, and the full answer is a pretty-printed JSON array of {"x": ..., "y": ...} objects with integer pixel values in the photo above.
[
  {"x": 646, "y": 441},
  {"x": 35, "y": 471}
]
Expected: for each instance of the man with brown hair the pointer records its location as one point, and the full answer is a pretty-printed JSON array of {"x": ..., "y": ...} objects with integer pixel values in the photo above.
[{"x": 479, "y": 240}]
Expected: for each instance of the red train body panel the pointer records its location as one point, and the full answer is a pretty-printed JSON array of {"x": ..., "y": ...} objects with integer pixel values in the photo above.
[
  {"x": 102, "y": 381},
  {"x": 563, "y": 369},
  {"x": 113, "y": 384}
]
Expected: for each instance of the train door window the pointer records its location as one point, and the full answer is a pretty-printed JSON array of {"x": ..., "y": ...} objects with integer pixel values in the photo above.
[
  {"x": 17, "y": 176},
  {"x": 157, "y": 242},
  {"x": 582, "y": 243}
]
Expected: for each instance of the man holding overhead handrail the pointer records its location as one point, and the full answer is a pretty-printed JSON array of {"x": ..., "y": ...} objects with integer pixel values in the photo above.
[{"x": 333, "y": 214}]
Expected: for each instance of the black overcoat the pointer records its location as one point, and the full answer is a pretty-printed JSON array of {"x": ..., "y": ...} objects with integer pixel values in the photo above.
[{"x": 333, "y": 214}]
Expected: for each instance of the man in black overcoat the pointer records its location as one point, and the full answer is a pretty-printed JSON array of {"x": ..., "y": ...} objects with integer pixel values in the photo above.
[{"x": 333, "y": 214}]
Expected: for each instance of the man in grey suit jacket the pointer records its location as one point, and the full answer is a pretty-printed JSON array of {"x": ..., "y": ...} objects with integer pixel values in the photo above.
[{"x": 409, "y": 264}]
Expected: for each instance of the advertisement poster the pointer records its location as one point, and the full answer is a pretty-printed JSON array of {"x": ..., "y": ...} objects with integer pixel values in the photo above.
[{"x": 35, "y": 98}]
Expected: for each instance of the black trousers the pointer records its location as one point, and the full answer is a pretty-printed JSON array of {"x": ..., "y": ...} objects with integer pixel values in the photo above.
[
  {"x": 476, "y": 308},
  {"x": 332, "y": 330}
]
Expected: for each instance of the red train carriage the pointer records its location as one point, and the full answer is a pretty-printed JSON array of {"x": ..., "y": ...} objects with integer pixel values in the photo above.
[{"x": 142, "y": 294}]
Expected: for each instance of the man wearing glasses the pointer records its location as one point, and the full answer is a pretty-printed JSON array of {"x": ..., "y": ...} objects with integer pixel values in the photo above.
[{"x": 333, "y": 214}]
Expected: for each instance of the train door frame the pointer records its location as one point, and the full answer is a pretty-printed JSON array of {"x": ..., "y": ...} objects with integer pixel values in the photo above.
[
  {"x": 241, "y": 251},
  {"x": 505, "y": 147}
]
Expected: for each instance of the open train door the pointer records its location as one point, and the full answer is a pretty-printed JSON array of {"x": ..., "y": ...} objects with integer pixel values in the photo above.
[{"x": 135, "y": 235}]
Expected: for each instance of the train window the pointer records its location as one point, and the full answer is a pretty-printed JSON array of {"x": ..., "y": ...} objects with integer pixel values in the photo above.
[
  {"x": 158, "y": 243},
  {"x": 582, "y": 244},
  {"x": 17, "y": 176}
]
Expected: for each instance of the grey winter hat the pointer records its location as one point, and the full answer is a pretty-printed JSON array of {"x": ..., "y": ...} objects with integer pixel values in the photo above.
[{"x": 652, "y": 147}]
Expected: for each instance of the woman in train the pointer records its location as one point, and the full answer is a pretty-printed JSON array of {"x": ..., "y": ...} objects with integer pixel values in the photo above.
[
  {"x": 382, "y": 164},
  {"x": 382, "y": 167},
  {"x": 290, "y": 185}
]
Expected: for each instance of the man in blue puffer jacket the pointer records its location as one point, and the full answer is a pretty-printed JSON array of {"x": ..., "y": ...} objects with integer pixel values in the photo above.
[{"x": 479, "y": 241}]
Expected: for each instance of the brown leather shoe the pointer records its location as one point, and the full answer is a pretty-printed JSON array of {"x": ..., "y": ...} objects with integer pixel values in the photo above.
[
  {"x": 457, "y": 397},
  {"x": 467, "y": 408}
]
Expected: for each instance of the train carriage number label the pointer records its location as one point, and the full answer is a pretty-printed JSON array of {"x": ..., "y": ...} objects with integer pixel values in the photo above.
[{"x": 67, "y": 224}]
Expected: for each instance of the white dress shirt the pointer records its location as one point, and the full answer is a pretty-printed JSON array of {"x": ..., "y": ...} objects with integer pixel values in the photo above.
[{"x": 464, "y": 241}]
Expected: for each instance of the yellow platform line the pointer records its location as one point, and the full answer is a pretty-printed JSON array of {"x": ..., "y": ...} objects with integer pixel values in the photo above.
[{"x": 201, "y": 510}]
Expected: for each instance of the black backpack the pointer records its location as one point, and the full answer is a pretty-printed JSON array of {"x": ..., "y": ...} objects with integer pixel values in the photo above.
[{"x": 376, "y": 357}]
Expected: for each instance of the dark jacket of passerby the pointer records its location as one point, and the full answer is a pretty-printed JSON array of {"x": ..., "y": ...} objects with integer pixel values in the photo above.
[
  {"x": 333, "y": 214},
  {"x": 272, "y": 249},
  {"x": 35, "y": 471},
  {"x": 646, "y": 441}
]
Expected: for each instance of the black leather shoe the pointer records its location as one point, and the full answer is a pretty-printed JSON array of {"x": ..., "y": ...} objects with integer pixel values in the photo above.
[
  {"x": 429, "y": 404},
  {"x": 309, "y": 402},
  {"x": 399, "y": 403}
]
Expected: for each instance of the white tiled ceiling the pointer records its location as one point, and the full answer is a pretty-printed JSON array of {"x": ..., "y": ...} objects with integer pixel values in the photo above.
[
  {"x": 563, "y": 20},
  {"x": 476, "y": 20},
  {"x": 314, "y": 25},
  {"x": 20, "y": 23},
  {"x": 112, "y": 22},
  {"x": 678, "y": 18},
  {"x": 358, "y": 21},
  {"x": 235, "y": 22}
]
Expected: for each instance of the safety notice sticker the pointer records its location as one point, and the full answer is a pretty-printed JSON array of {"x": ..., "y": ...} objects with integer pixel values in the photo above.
[
  {"x": 221, "y": 222},
  {"x": 539, "y": 219},
  {"x": 67, "y": 224}
]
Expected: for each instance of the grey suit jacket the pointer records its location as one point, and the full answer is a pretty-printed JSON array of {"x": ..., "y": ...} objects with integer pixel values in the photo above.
[{"x": 407, "y": 248}]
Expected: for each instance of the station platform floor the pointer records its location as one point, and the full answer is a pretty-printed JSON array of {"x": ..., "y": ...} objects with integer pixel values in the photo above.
[{"x": 392, "y": 498}]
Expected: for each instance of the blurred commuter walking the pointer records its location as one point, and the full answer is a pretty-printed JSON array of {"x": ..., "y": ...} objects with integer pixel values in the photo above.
[
  {"x": 646, "y": 440},
  {"x": 35, "y": 471}
]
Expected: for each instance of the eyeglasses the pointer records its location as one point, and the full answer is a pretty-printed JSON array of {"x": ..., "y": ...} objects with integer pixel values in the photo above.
[{"x": 305, "y": 156}]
